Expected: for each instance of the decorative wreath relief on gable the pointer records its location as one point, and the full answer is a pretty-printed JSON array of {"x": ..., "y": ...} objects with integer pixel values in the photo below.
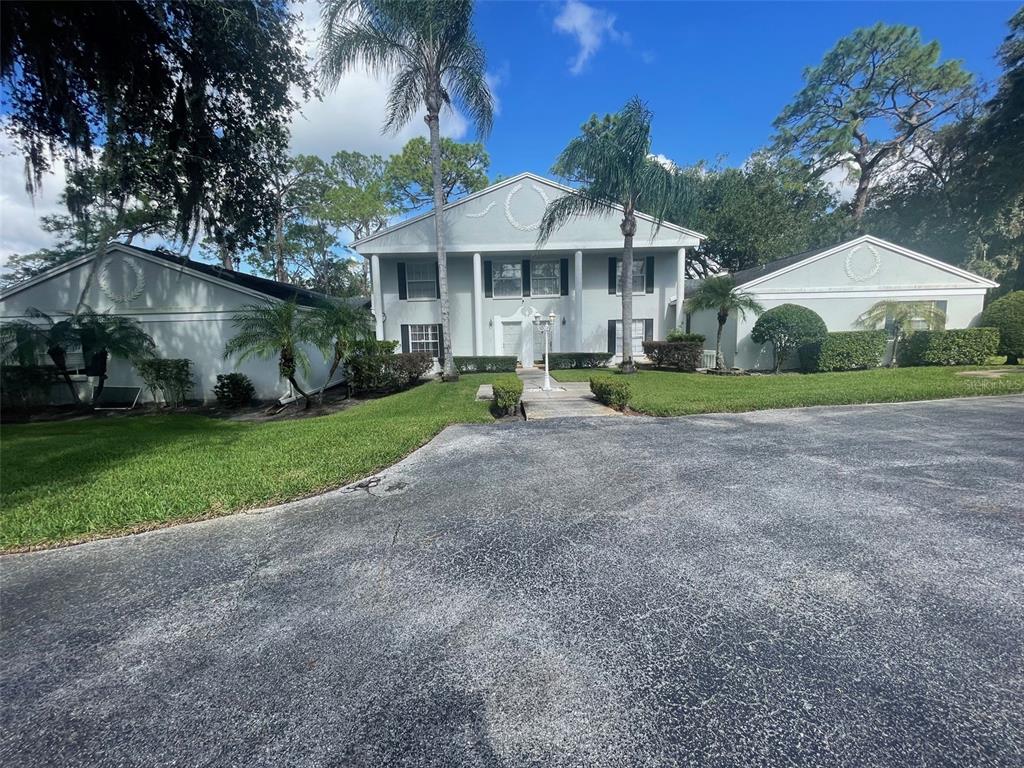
[
  {"x": 509, "y": 216},
  {"x": 126, "y": 267},
  {"x": 856, "y": 270}
]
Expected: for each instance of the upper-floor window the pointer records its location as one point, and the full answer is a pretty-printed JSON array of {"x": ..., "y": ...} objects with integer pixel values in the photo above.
[
  {"x": 421, "y": 280},
  {"x": 507, "y": 279},
  {"x": 545, "y": 278},
  {"x": 639, "y": 275}
]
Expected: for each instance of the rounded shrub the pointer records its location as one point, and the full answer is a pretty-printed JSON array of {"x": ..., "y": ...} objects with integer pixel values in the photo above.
[
  {"x": 234, "y": 390},
  {"x": 788, "y": 327},
  {"x": 613, "y": 391},
  {"x": 1007, "y": 315}
]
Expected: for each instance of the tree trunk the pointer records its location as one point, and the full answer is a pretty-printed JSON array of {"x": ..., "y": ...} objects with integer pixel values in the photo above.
[
  {"x": 286, "y": 366},
  {"x": 628, "y": 227},
  {"x": 279, "y": 274},
  {"x": 225, "y": 259},
  {"x": 860, "y": 197},
  {"x": 104, "y": 357},
  {"x": 779, "y": 354},
  {"x": 448, "y": 371},
  {"x": 330, "y": 375},
  {"x": 60, "y": 360},
  {"x": 895, "y": 345},
  {"x": 301, "y": 391},
  {"x": 723, "y": 318}
]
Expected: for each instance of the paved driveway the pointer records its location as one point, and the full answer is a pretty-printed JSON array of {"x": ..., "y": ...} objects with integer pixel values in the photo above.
[{"x": 816, "y": 587}]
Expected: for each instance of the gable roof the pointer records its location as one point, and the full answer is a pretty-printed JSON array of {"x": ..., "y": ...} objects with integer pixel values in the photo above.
[
  {"x": 249, "y": 283},
  {"x": 526, "y": 175},
  {"x": 747, "y": 278}
]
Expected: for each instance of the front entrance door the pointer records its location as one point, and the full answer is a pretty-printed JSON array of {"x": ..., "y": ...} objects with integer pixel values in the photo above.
[{"x": 512, "y": 340}]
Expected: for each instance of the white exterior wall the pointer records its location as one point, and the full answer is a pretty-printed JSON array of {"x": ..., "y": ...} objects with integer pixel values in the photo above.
[
  {"x": 599, "y": 306},
  {"x": 188, "y": 315}
]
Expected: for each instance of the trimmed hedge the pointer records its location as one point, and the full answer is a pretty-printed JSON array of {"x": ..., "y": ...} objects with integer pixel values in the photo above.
[
  {"x": 680, "y": 355},
  {"x": 844, "y": 351},
  {"x": 507, "y": 391},
  {"x": 613, "y": 391},
  {"x": 677, "y": 334},
  {"x": 387, "y": 372},
  {"x": 1007, "y": 314},
  {"x": 962, "y": 346},
  {"x": 491, "y": 364},
  {"x": 568, "y": 360}
]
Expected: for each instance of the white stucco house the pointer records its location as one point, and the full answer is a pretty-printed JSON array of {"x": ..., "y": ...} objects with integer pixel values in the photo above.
[
  {"x": 499, "y": 277},
  {"x": 840, "y": 283},
  {"x": 186, "y": 306}
]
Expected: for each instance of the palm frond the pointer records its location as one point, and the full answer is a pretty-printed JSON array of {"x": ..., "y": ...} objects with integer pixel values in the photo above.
[{"x": 564, "y": 208}]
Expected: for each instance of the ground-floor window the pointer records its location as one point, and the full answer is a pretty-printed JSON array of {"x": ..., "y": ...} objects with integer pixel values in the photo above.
[
  {"x": 917, "y": 323},
  {"x": 424, "y": 338}
]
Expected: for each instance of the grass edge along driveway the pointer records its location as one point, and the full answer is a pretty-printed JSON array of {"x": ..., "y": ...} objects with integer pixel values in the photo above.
[
  {"x": 74, "y": 480},
  {"x": 670, "y": 393}
]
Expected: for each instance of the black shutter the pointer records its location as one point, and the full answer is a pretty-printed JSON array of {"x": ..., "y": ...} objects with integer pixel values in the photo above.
[
  {"x": 488, "y": 287},
  {"x": 405, "y": 338},
  {"x": 403, "y": 292},
  {"x": 612, "y": 263},
  {"x": 649, "y": 329},
  {"x": 440, "y": 344},
  {"x": 649, "y": 275},
  {"x": 437, "y": 278},
  {"x": 611, "y": 337},
  {"x": 563, "y": 276},
  {"x": 526, "y": 277}
]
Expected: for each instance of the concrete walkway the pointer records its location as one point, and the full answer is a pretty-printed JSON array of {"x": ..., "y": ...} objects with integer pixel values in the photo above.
[{"x": 570, "y": 398}]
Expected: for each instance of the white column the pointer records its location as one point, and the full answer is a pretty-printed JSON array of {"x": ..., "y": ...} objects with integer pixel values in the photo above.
[
  {"x": 478, "y": 305},
  {"x": 680, "y": 288},
  {"x": 377, "y": 295},
  {"x": 578, "y": 302}
]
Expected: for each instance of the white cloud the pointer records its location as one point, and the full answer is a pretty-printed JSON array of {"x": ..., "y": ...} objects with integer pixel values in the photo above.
[
  {"x": 664, "y": 161},
  {"x": 590, "y": 26},
  {"x": 839, "y": 181},
  {"x": 20, "y": 212}
]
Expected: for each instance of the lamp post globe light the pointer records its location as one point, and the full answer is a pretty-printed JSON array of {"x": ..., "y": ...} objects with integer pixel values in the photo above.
[{"x": 545, "y": 324}]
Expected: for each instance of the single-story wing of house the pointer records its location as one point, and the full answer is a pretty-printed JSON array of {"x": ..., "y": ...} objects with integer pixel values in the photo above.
[
  {"x": 187, "y": 307},
  {"x": 499, "y": 277},
  {"x": 840, "y": 283}
]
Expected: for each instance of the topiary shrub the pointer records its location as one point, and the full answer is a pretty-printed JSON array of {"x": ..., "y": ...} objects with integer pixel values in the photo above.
[
  {"x": 680, "y": 355},
  {"x": 1007, "y": 315},
  {"x": 370, "y": 371},
  {"x": 560, "y": 361},
  {"x": 844, "y": 351},
  {"x": 788, "y": 327},
  {"x": 234, "y": 390},
  {"x": 962, "y": 346},
  {"x": 171, "y": 377},
  {"x": 613, "y": 391},
  {"x": 678, "y": 334},
  {"x": 490, "y": 364},
  {"x": 507, "y": 392}
]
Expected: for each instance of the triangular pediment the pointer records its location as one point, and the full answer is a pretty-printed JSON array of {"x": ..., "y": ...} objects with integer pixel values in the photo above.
[{"x": 506, "y": 217}]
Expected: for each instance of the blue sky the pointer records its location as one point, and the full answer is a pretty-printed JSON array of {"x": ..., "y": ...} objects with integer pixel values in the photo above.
[{"x": 715, "y": 75}]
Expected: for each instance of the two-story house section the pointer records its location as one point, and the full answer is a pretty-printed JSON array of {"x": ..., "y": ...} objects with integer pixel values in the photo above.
[{"x": 499, "y": 276}]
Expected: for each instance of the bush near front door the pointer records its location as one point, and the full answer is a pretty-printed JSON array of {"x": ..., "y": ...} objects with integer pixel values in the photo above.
[
  {"x": 679, "y": 355},
  {"x": 486, "y": 364}
]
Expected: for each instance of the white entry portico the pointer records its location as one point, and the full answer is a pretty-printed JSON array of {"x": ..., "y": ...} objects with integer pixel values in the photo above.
[{"x": 499, "y": 276}]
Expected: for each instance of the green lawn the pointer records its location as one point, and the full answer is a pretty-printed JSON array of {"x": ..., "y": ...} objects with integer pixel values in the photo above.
[
  {"x": 74, "y": 479},
  {"x": 666, "y": 393}
]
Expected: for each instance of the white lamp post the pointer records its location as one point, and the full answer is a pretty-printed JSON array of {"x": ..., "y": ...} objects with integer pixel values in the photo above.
[{"x": 545, "y": 324}]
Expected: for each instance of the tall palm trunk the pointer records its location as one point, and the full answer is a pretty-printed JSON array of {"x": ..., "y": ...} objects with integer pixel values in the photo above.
[
  {"x": 447, "y": 357},
  {"x": 60, "y": 359},
  {"x": 897, "y": 333},
  {"x": 279, "y": 274},
  {"x": 103, "y": 356},
  {"x": 628, "y": 227},
  {"x": 723, "y": 318}
]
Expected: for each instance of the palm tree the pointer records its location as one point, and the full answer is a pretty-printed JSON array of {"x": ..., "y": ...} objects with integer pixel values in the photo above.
[
  {"x": 337, "y": 327},
  {"x": 273, "y": 328},
  {"x": 899, "y": 317},
  {"x": 102, "y": 335},
  {"x": 720, "y": 295},
  {"x": 23, "y": 340},
  {"x": 430, "y": 48},
  {"x": 612, "y": 165}
]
